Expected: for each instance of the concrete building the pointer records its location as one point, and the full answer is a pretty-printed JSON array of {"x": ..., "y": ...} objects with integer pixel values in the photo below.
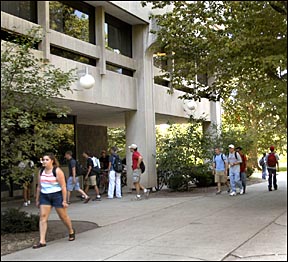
[{"x": 114, "y": 43}]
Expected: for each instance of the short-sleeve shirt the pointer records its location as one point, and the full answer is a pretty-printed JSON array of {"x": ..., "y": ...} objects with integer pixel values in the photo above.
[
  {"x": 90, "y": 163},
  {"x": 111, "y": 160},
  {"x": 220, "y": 164},
  {"x": 266, "y": 160},
  {"x": 71, "y": 164},
  {"x": 232, "y": 159},
  {"x": 135, "y": 157}
]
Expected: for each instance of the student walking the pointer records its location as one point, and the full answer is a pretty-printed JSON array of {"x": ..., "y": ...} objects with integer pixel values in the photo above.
[
  {"x": 262, "y": 164},
  {"x": 136, "y": 175},
  {"x": 272, "y": 160},
  {"x": 73, "y": 180},
  {"x": 234, "y": 161},
  {"x": 220, "y": 167},
  {"x": 51, "y": 192},
  {"x": 93, "y": 170},
  {"x": 243, "y": 168},
  {"x": 114, "y": 176}
]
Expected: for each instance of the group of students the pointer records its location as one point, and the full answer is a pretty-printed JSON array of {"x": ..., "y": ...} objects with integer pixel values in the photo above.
[
  {"x": 236, "y": 163},
  {"x": 52, "y": 190}
]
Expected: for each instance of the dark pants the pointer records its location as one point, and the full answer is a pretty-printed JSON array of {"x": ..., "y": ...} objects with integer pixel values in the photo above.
[{"x": 272, "y": 173}]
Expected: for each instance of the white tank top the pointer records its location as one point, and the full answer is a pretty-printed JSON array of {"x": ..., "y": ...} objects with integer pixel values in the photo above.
[{"x": 49, "y": 183}]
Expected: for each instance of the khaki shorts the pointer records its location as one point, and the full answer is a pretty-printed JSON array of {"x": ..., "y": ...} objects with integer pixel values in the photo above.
[
  {"x": 220, "y": 177},
  {"x": 136, "y": 175},
  {"x": 91, "y": 181}
]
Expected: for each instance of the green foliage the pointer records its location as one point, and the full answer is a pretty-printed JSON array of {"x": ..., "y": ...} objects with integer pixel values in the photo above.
[
  {"x": 15, "y": 221},
  {"x": 236, "y": 43},
  {"x": 29, "y": 86},
  {"x": 117, "y": 137}
]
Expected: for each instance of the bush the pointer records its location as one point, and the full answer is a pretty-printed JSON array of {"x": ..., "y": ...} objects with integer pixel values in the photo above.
[
  {"x": 15, "y": 221},
  {"x": 249, "y": 171},
  {"x": 203, "y": 175}
]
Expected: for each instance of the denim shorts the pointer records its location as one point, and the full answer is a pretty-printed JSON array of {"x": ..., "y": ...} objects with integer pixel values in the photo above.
[
  {"x": 52, "y": 199},
  {"x": 136, "y": 175},
  {"x": 71, "y": 186}
]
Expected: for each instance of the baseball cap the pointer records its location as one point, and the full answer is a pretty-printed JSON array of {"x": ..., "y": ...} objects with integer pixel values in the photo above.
[
  {"x": 272, "y": 148},
  {"x": 231, "y": 146},
  {"x": 134, "y": 146}
]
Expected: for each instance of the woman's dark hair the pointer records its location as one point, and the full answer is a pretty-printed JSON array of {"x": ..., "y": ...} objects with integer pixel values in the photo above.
[{"x": 53, "y": 158}]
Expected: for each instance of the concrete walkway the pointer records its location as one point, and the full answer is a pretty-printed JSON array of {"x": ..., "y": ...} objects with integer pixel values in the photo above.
[{"x": 251, "y": 227}]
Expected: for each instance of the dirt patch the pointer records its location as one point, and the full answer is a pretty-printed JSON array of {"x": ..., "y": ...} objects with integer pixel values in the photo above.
[{"x": 56, "y": 230}]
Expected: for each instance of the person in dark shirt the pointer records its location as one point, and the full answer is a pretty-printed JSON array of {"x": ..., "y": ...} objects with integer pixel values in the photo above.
[
  {"x": 73, "y": 180},
  {"x": 104, "y": 160}
]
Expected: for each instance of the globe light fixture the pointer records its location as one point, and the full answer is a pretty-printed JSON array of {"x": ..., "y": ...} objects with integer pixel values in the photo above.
[{"x": 87, "y": 81}]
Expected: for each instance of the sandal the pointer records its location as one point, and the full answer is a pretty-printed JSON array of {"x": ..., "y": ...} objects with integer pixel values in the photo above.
[
  {"x": 39, "y": 245},
  {"x": 72, "y": 236}
]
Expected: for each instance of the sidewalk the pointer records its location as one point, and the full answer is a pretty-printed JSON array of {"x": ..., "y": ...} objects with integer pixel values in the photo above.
[{"x": 190, "y": 228}]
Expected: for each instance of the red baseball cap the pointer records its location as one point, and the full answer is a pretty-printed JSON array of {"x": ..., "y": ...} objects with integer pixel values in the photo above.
[{"x": 272, "y": 148}]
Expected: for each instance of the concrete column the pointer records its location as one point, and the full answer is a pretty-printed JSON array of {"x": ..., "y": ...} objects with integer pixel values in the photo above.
[
  {"x": 100, "y": 37},
  {"x": 140, "y": 125},
  {"x": 43, "y": 20}
]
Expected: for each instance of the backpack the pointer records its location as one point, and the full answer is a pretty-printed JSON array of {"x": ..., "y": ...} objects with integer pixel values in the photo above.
[
  {"x": 271, "y": 160},
  {"x": 53, "y": 170},
  {"x": 96, "y": 166},
  {"x": 79, "y": 169},
  {"x": 117, "y": 164},
  {"x": 142, "y": 167},
  {"x": 262, "y": 161}
]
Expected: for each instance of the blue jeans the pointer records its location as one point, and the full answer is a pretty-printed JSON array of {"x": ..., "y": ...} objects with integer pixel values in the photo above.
[
  {"x": 243, "y": 180},
  {"x": 235, "y": 180},
  {"x": 272, "y": 176},
  {"x": 264, "y": 172}
]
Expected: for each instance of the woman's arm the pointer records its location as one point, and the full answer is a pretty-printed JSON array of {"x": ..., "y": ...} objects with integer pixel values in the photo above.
[
  {"x": 37, "y": 197},
  {"x": 61, "y": 180}
]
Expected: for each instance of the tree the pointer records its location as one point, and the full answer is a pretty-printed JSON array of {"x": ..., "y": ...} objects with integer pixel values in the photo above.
[
  {"x": 236, "y": 43},
  {"x": 28, "y": 87}
]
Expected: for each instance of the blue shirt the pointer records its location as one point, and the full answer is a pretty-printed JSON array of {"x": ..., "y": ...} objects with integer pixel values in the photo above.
[{"x": 220, "y": 164}]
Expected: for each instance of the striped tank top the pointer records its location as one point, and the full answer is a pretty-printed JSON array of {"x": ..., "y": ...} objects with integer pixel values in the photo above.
[{"x": 49, "y": 183}]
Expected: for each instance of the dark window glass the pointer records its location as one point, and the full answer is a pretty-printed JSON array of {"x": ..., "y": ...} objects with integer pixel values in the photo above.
[
  {"x": 72, "y": 56},
  {"x": 118, "y": 35},
  {"x": 23, "y": 9},
  {"x": 75, "y": 19},
  {"x": 160, "y": 81},
  {"x": 16, "y": 38},
  {"x": 119, "y": 70}
]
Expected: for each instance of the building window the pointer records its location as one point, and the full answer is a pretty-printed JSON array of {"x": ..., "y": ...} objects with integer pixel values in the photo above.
[
  {"x": 16, "y": 38},
  {"x": 72, "y": 55},
  {"x": 119, "y": 70},
  {"x": 75, "y": 19},
  {"x": 118, "y": 35},
  {"x": 23, "y": 9}
]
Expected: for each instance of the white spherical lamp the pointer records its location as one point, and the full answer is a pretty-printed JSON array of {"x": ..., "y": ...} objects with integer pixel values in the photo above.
[{"x": 87, "y": 81}]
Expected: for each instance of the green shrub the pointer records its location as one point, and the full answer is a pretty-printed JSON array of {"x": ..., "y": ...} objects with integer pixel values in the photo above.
[
  {"x": 203, "y": 175},
  {"x": 249, "y": 171},
  {"x": 15, "y": 221},
  {"x": 283, "y": 169}
]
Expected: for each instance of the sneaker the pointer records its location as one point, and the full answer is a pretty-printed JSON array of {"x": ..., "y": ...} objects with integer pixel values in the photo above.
[
  {"x": 218, "y": 192},
  {"x": 276, "y": 187},
  {"x": 87, "y": 200},
  {"x": 97, "y": 199},
  {"x": 233, "y": 193},
  {"x": 28, "y": 202},
  {"x": 242, "y": 191},
  {"x": 147, "y": 193},
  {"x": 25, "y": 204},
  {"x": 137, "y": 198}
]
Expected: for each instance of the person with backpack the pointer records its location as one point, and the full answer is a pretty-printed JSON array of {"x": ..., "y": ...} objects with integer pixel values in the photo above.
[
  {"x": 272, "y": 160},
  {"x": 243, "y": 168},
  {"x": 73, "y": 180},
  {"x": 263, "y": 166},
  {"x": 220, "y": 167},
  {"x": 137, "y": 171},
  {"x": 93, "y": 170},
  {"x": 51, "y": 192},
  {"x": 234, "y": 161},
  {"x": 115, "y": 168}
]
